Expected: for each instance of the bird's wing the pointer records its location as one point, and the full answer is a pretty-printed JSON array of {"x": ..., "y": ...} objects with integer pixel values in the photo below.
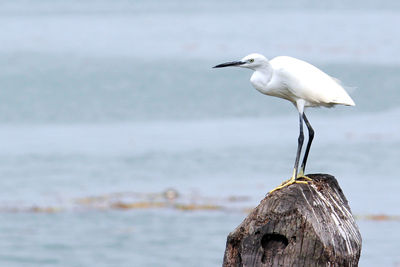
[{"x": 307, "y": 82}]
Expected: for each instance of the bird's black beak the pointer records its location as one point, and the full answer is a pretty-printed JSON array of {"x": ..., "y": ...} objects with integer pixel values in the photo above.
[{"x": 230, "y": 64}]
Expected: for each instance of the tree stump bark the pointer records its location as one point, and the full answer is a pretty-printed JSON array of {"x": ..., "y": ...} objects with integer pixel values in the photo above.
[{"x": 299, "y": 225}]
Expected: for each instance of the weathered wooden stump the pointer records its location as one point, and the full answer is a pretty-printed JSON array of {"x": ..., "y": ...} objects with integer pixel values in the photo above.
[{"x": 299, "y": 225}]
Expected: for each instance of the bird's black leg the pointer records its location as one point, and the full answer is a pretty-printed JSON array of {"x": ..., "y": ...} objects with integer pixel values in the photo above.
[
  {"x": 299, "y": 146},
  {"x": 294, "y": 180},
  {"x": 310, "y": 139}
]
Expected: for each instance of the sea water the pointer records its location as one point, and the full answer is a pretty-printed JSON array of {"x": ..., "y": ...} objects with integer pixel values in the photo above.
[{"x": 113, "y": 99}]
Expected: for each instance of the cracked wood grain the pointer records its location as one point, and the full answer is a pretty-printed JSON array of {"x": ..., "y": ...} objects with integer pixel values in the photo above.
[{"x": 299, "y": 225}]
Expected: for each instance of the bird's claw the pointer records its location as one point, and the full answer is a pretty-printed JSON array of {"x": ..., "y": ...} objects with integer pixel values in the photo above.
[
  {"x": 292, "y": 181},
  {"x": 304, "y": 177},
  {"x": 301, "y": 175}
]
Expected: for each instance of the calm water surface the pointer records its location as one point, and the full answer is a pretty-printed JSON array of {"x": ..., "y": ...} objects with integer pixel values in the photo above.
[{"x": 102, "y": 103}]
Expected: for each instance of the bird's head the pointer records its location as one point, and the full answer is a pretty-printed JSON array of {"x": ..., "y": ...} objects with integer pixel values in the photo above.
[{"x": 252, "y": 61}]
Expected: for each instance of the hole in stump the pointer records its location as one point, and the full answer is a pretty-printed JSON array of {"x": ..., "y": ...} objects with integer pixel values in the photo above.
[{"x": 273, "y": 243}]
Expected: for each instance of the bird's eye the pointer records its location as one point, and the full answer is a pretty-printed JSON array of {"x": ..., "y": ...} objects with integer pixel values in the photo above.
[{"x": 251, "y": 60}]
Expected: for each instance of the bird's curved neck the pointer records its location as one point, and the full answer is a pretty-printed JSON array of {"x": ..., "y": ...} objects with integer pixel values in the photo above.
[
  {"x": 265, "y": 69},
  {"x": 262, "y": 76}
]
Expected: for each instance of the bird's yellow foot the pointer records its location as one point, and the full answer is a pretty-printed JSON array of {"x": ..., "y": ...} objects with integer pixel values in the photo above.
[
  {"x": 301, "y": 175},
  {"x": 304, "y": 177},
  {"x": 287, "y": 183},
  {"x": 292, "y": 181}
]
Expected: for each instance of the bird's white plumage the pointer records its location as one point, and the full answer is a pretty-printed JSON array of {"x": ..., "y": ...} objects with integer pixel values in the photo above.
[
  {"x": 294, "y": 80},
  {"x": 309, "y": 83}
]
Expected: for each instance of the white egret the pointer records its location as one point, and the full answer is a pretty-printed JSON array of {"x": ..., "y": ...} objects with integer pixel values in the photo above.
[{"x": 300, "y": 83}]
